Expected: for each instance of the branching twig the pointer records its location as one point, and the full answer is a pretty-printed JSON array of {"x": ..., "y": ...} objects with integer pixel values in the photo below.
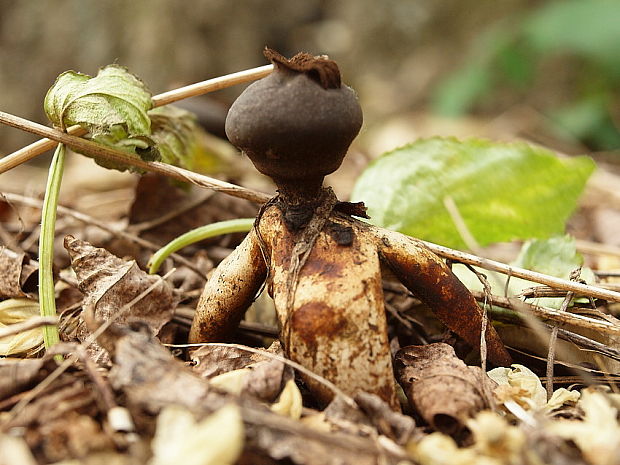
[
  {"x": 553, "y": 314},
  {"x": 211, "y": 85}
]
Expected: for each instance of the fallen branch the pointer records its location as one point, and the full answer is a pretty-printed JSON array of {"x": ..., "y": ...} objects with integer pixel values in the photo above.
[{"x": 41, "y": 146}]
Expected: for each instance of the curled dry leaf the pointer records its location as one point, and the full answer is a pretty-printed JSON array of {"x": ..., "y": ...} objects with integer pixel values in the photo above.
[
  {"x": 17, "y": 311},
  {"x": 290, "y": 402},
  {"x": 240, "y": 372},
  {"x": 519, "y": 384},
  {"x": 109, "y": 283},
  {"x": 444, "y": 390},
  {"x": 19, "y": 275}
]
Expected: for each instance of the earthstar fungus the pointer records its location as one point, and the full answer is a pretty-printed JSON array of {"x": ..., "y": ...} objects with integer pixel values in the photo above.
[{"x": 322, "y": 266}]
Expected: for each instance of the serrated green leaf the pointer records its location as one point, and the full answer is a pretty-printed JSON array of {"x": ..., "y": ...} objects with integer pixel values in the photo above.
[
  {"x": 503, "y": 191},
  {"x": 113, "y": 97}
]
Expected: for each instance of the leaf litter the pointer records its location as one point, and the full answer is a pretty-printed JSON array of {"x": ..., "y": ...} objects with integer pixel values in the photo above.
[
  {"x": 140, "y": 401},
  {"x": 258, "y": 411}
]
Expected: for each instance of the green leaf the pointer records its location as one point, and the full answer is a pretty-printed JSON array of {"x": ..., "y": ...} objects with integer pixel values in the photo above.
[
  {"x": 113, "y": 97},
  {"x": 585, "y": 27},
  {"x": 503, "y": 191},
  {"x": 176, "y": 133},
  {"x": 556, "y": 256}
]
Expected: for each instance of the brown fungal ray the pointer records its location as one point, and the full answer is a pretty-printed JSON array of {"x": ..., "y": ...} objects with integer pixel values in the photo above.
[
  {"x": 428, "y": 277},
  {"x": 229, "y": 292},
  {"x": 336, "y": 326}
]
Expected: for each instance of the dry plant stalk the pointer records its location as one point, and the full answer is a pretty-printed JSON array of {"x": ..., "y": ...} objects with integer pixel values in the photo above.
[
  {"x": 41, "y": 146},
  {"x": 323, "y": 267}
]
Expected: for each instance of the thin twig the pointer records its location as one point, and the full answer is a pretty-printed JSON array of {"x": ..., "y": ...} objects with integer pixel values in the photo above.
[
  {"x": 552, "y": 341},
  {"x": 41, "y": 146},
  {"x": 31, "y": 323},
  {"x": 576, "y": 287},
  {"x": 552, "y": 314},
  {"x": 36, "y": 203},
  {"x": 101, "y": 151}
]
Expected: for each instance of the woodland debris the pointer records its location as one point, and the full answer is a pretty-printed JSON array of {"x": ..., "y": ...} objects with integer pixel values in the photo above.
[
  {"x": 19, "y": 275},
  {"x": 441, "y": 388},
  {"x": 152, "y": 379},
  {"x": 109, "y": 283}
]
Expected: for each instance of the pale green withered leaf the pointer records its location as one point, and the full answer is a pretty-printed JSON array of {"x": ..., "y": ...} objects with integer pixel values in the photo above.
[
  {"x": 176, "y": 134},
  {"x": 113, "y": 97},
  {"x": 556, "y": 256},
  {"x": 503, "y": 191}
]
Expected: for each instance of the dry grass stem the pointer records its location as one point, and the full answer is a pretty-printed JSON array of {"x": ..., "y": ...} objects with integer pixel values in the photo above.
[
  {"x": 36, "y": 203},
  {"x": 552, "y": 281},
  {"x": 100, "y": 151},
  {"x": 41, "y": 146},
  {"x": 552, "y": 314},
  {"x": 31, "y": 323}
]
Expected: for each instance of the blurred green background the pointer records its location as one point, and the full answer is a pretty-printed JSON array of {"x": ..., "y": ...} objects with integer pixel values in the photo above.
[{"x": 548, "y": 71}]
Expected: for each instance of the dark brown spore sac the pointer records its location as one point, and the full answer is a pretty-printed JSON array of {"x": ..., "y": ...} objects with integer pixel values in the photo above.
[{"x": 300, "y": 115}]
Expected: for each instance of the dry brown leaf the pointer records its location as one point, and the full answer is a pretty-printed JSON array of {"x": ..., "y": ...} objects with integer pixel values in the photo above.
[
  {"x": 444, "y": 390},
  {"x": 18, "y": 275},
  {"x": 241, "y": 372},
  {"x": 210, "y": 361},
  {"x": 392, "y": 424},
  {"x": 17, "y": 374},
  {"x": 109, "y": 283}
]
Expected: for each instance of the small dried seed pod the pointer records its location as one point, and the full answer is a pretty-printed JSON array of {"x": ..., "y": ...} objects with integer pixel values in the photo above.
[{"x": 298, "y": 122}]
